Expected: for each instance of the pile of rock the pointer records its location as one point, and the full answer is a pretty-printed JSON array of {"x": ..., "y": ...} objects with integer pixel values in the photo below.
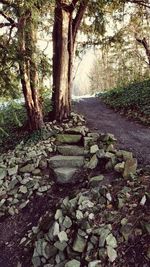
[
  {"x": 25, "y": 170},
  {"x": 74, "y": 238},
  {"x": 22, "y": 173},
  {"x": 76, "y": 234}
]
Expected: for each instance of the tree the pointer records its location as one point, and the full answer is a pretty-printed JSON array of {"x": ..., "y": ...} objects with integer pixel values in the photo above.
[
  {"x": 26, "y": 55},
  {"x": 64, "y": 36},
  {"x": 28, "y": 69}
]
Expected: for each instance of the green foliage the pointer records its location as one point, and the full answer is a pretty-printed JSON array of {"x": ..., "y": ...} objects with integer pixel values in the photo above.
[
  {"x": 13, "y": 120},
  {"x": 134, "y": 100}
]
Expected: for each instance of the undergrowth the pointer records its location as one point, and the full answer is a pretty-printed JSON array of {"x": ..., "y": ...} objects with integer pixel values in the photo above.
[
  {"x": 133, "y": 100},
  {"x": 13, "y": 122}
]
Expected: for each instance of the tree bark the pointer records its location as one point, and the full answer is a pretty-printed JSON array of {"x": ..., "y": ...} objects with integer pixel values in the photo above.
[
  {"x": 28, "y": 71},
  {"x": 64, "y": 35}
]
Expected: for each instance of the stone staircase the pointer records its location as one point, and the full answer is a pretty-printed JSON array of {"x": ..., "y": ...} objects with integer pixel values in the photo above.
[{"x": 71, "y": 157}]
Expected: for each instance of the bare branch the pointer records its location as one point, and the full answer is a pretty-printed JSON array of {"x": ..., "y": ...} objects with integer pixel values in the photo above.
[
  {"x": 78, "y": 18},
  {"x": 7, "y": 24},
  {"x": 146, "y": 46},
  {"x": 6, "y": 17},
  {"x": 144, "y": 3},
  {"x": 73, "y": 4}
]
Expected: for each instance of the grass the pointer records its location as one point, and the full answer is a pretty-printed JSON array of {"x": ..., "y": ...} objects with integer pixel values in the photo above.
[
  {"x": 13, "y": 119},
  {"x": 133, "y": 100}
]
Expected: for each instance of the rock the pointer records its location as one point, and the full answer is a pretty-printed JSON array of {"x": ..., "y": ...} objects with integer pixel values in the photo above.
[
  {"x": 13, "y": 170},
  {"x": 60, "y": 245},
  {"x": 13, "y": 183},
  {"x": 100, "y": 153},
  {"x": 79, "y": 244},
  {"x": 69, "y": 150},
  {"x": 94, "y": 136},
  {"x": 36, "y": 261},
  {"x": 119, "y": 167},
  {"x": 23, "y": 189},
  {"x": 79, "y": 129},
  {"x": 66, "y": 161},
  {"x": 95, "y": 263},
  {"x": 143, "y": 201},
  {"x": 104, "y": 232},
  {"x": 73, "y": 263},
  {"x": 124, "y": 154},
  {"x": 130, "y": 167},
  {"x": 44, "y": 249},
  {"x": 88, "y": 142},
  {"x": 95, "y": 181},
  {"x": 44, "y": 188},
  {"x": 43, "y": 164},
  {"x": 68, "y": 138},
  {"x": 62, "y": 236},
  {"x": 27, "y": 168},
  {"x": 94, "y": 149},
  {"x": 58, "y": 214},
  {"x": 56, "y": 229},
  {"x": 79, "y": 215},
  {"x": 111, "y": 241},
  {"x": 67, "y": 223},
  {"x": 65, "y": 175},
  {"x": 3, "y": 173},
  {"x": 93, "y": 162},
  {"x": 112, "y": 254},
  {"x": 127, "y": 155},
  {"x": 36, "y": 172}
]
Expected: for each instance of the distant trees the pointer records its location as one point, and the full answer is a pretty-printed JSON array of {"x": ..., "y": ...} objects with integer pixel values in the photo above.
[{"x": 121, "y": 60}]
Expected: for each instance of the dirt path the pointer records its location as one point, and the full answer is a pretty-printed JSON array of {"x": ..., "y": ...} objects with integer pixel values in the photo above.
[{"x": 130, "y": 135}]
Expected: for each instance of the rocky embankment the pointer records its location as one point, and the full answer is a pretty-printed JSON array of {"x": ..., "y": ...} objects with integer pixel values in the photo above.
[{"x": 103, "y": 223}]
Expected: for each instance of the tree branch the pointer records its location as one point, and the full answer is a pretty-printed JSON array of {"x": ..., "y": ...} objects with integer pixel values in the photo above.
[
  {"x": 8, "y": 3},
  {"x": 78, "y": 18},
  {"x": 6, "y": 24},
  {"x": 6, "y": 17},
  {"x": 146, "y": 46},
  {"x": 144, "y": 3},
  {"x": 73, "y": 4}
]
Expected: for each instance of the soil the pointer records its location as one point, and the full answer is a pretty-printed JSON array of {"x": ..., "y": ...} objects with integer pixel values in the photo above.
[
  {"x": 14, "y": 228},
  {"x": 131, "y": 135}
]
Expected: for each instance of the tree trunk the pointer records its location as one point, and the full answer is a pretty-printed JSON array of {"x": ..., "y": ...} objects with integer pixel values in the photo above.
[
  {"x": 64, "y": 35},
  {"x": 61, "y": 64},
  {"x": 146, "y": 46},
  {"x": 28, "y": 71}
]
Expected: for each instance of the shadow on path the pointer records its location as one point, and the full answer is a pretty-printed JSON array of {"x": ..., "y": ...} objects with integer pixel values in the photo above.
[{"x": 130, "y": 134}]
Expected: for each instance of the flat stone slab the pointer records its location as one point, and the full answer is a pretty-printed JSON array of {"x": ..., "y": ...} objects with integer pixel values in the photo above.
[
  {"x": 66, "y": 161},
  {"x": 69, "y": 150},
  {"x": 68, "y": 138},
  {"x": 65, "y": 175}
]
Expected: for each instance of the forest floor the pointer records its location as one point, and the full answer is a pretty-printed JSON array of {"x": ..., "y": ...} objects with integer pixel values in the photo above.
[{"x": 130, "y": 134}]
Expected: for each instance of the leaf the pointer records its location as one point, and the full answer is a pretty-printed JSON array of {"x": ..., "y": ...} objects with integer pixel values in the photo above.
[{"x": 112, "y": 254}]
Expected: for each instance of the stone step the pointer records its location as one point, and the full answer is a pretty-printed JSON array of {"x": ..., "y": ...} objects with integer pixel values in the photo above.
[
  {"x": 65, "y": 175},
  {"x": 70, "y": 150},
  {"x": 66, "y": 161},
  {"x": 68, "y": 138}
]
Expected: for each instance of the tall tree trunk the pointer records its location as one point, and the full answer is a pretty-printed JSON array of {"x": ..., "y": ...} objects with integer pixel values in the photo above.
[
  {"x": 28, "y": 71},
  {"x": 64, "y": 35}
]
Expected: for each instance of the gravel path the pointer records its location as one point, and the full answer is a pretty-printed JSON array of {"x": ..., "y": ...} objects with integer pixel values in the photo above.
[{"x": 130, "y": 134}]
